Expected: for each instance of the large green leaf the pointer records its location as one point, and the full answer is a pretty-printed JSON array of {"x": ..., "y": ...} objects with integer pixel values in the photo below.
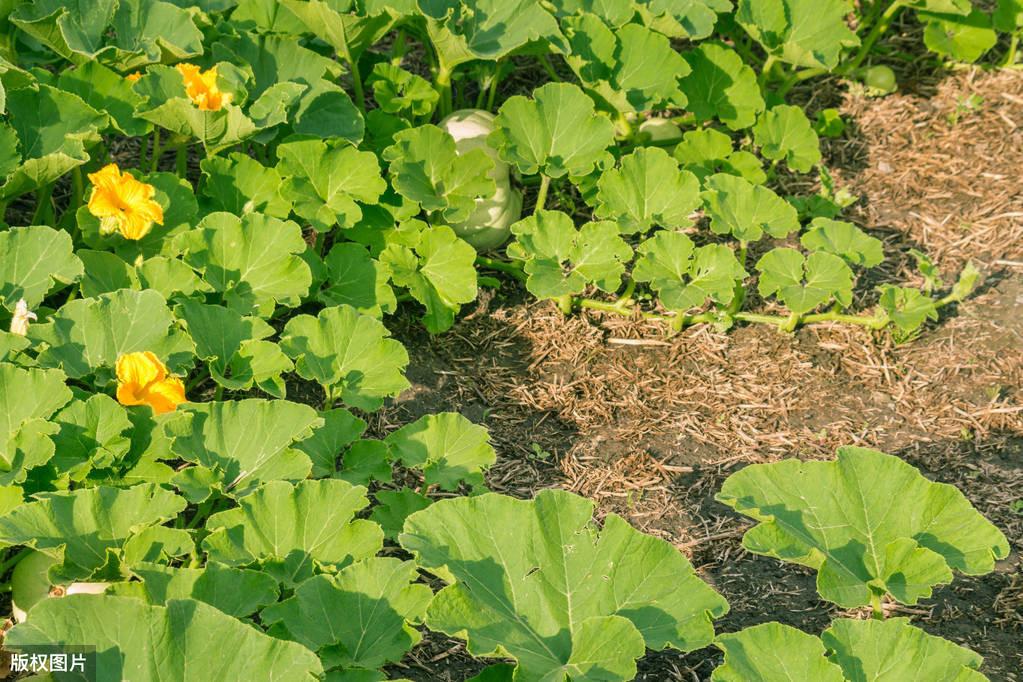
[
  {"x": 340, "y": 429},
  {"x": 123, "y": 33},
  {"x": 557, "y": 132},
  {"x": 398, "y": 91},
  {"x": 86, "y": 530},
  {"x": 784, "y": 132},
  {"x": 721, "y": 86},
  {"x": 89, "y": 334},
  {"x": 238, "y": 592},
  {"x": 845, "y": 240},
  {"x": 290, "y": 529},
  {"x": 106, "y": 91},
  {"x": 52, "y": 127},
  {"x": 28, "y": 398},
  {"x": 685, "y": 276},
  {"x": 746, "y": 211},
  {"x": 868, "y": 522},
  {"x": 239, "y": 184},
  {"x": 889, "y": 650},
  {"x": 560, "y": 259},
  {"x": 185, "y": 641},
  {"x": 907, "y": 308},
  {"x": 325, "y": 180},
  {"x": 426, "y": 168},
  {"x": 234, "y": 349},
  {"x": 272, "y": 59},
  {"x": 632, "y": 68},
  {"x": 35, "y": 259},
  {"x": 449, "y": 449},
  {"x": 811, "y": 33},
  {"x": 803, "y": 283},
  {"x": 326, "y": 111},
  {"x": 349, "y": 352},
  {"x": 646, "y": 189},
  {"x": 241, "y": 444},
  {"x": 535, "y": 580},
  {"x": 251, "y": 261},
  {"x": 357, "y": 279},
  {"x": 361, "y": 618},
  {"x": 350, "y": 28},
  {"x": 94, "y": 434},
  {"x": 438, "y": 269},
  {"x": 461, "y": 30},
  {"x": 964, "y": 38},
  {"x": 706, "y": 151}
]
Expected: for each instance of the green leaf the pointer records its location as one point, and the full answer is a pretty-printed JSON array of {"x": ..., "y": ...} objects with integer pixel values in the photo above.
[
  {"x": 394, "y": 506},
  {"x": 844, "y": 240},
  {"x": 28, "y": 398},
  {"x": 556, "y": 133},
  {"x": 233, "y": 348},
  {"x": 721, "y": 86},
  {"x": 707, "y": 151},
  {"x": 907, "y": 308},
  {"x": 36, "y": 259},
  {"x": 326, "y": 111},
  {"x": 773, "y": 651},
  {"x": 106, "y": 91},
  {"x": 272, "y": 59},
  {"x": 53, "y": 128},
  {"x": 170, "y": 277},
  {"x": 685, "y": 277},
  {"x": 93, "y": 435},
  {"x": 810, "y": 33},
  {"x": 326, "y": 179},
  {"x": 963, "y": 38},
  {"x": 288, "y": 528},
  {"x": 124, "y": 34},
  {"x": 105, "y": 272},
  {"x": 86, "y": 529},
  {"x": 1008, "y": 16},
  {"x": 438, "y": 269},
  {"x": 449, "y": 449},
  {"x": 251, "y": 261},
  {"x": 361, "y": 618},
  {"x": 345, "y": 349},
  {"x": 190, "y": 637},
  {"x": 89, "y": 334},
  {"x": 244, "y": 443},
  {"x": 350, "y": 28},
  {"x": 239, "y": 184},
  {"x": 238, "y": 592},
  {"x": 398, "y": 91},
  {"x": 690, "y": 19},
  {"x": 426, "y": 168},
  {"x": 868, "y": 522},
  {"x": 357, "y": 279},
  {"x": 487, "y": 29},
  {"x": 784, "y": 132},
  {"x": 633, "y": 68},
  {"x": 646, "y": 189},
  {"x": 585, "y": 604},
  {"x": 340, "y": 429},
  {"x": 891, "y": 650},
  {"x": 560, "y": 260},
  {"x": 367, "y": 460},
  {"x": 801, "y": 283},
  {"x": 746, "y": 211}
]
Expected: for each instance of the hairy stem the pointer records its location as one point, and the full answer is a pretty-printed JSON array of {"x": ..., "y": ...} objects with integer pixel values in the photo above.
[
  {"x": 541, "y": 196},
  {"x": 512, "y": 268},
  {"x": 876, "y": 31},
  {"x": 156, "y": 150}
]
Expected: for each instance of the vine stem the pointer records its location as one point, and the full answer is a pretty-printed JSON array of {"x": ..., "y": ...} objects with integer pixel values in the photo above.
[
  {"x": 10, "y": 562},
  {"x": 443, "y": 81},
  {"x": 1010, "y": 55},
  {"x": 541, "y": 196},
  {"x": 181, "y": 160},
  {"x": 156, "y": 150},
  {"x": 877, "y": 610},
  {"x": 42, "y": 204},
  {"x": 511, "y": 268},
  {"x": 353, "y": 69},
  {"x": 876, "y": 31}
]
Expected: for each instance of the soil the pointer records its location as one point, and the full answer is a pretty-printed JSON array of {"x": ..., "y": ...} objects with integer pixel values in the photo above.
[{"x": 649, "y": 424}]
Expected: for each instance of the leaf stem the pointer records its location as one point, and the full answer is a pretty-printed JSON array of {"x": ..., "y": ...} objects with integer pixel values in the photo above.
[
  {"x": 512, "y": 268},
  {"x": 43, "y": 195},
  {"x": 12, "y": 561},
  {"x": 443, "y": 81},
  {"x": 155, "y": 161},
  {"x": 877, "y": 610},
  {"x": 876, "y": 31},
  {"x": 181, "y": 160},
  {"x": 541, "y": 196}
]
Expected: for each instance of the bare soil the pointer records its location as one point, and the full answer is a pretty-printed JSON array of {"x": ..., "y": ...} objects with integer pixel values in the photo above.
[{"x": 649, "y": 424}]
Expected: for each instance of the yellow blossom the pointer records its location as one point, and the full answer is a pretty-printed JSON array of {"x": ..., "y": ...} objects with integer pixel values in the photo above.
[
  {"x": 201, "y": 87},
  {"x": 22, "y": 315},
  {"x": 122, "y": 203},
  {"x": 132, "y": 77},
  {"x": 142, "y": 380}
]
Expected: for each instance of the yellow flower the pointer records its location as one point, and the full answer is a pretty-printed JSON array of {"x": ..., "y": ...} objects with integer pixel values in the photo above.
[
  {"x": 132, "y": 77},
  {"x": 201, "y": 87},
  {"x": 123, "y": 204},
  {"x": 22, "y": 315},
  {"x": 142, "y": 380}
]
